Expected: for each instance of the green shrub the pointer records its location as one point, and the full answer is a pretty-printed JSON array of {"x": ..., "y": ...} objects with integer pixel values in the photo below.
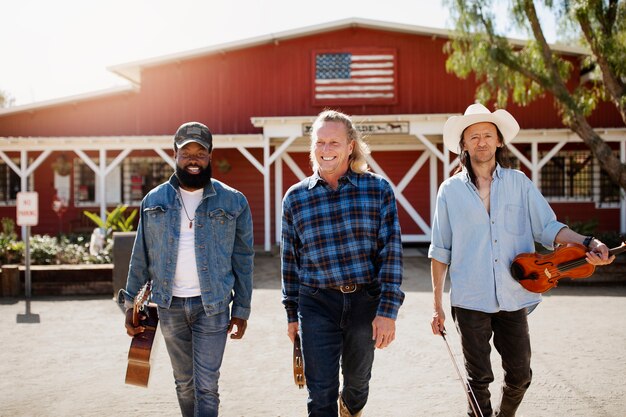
[
  {"x": 43, "y": 250},
  {"x": 115, "y": 220},
  {"x": 11, "y": 251},
  {"x": 48, "y": 250},
  {"x": 10, "y": 248}
]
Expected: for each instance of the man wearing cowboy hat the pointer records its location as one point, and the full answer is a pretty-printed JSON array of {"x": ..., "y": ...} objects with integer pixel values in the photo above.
[{"x": 486, "y": 214}]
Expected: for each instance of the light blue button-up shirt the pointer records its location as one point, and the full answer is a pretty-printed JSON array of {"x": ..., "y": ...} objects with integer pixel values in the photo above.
[{"x": 479, "y": 246}]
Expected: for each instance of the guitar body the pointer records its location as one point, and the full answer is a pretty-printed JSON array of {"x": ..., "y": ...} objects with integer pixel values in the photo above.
[{"x": 138, "y": 370}]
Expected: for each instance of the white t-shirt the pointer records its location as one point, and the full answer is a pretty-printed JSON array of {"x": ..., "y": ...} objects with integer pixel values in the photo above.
[{"x": 186, "y": 280}]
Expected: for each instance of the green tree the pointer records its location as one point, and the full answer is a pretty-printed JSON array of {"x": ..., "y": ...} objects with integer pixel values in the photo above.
[{"x": 523, "y": 71}]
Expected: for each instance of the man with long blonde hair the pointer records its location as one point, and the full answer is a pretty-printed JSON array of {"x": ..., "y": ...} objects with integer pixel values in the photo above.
[
  {"x": 341, "y": 267},
  {"x": 357, "y": 159}
]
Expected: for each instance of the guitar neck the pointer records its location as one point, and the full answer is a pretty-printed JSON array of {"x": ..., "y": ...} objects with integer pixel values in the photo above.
[
  {"x": 140, "y": 300},
  {"x": 135, "y": 315}
]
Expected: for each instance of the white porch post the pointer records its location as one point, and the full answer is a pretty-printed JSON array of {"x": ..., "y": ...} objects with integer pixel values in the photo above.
[
  {"x": 534, "y": 157},
  {"x": 434, "y": 187},
  {"x": 101, "y": 173},
  {"x": 266, "y": 193},
  {"x": 23, "y": 184},
  {"x": 278, "y": 196}
]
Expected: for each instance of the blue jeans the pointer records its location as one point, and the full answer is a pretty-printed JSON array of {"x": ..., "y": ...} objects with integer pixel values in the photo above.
[
  {"x": 512, "y": 341},
  {"x": 336, "y": 329},
  {"x": 195, "y": 343}
]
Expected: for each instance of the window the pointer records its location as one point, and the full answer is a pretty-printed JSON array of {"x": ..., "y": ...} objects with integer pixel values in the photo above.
[
  {"x": 9, "y": 184},
  {"x": 609, "y": 191},
  {"x": 85, "y": 180},
  {"x": 87, "y": 187},
  {"x": 142, "y": 174},
  {"x": 576, "y": 176}
]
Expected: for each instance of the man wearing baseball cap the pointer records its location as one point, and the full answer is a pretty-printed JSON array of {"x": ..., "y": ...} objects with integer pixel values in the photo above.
[
  {"x": 486, "y": 214},
  {"x": 194, "y": 242}
]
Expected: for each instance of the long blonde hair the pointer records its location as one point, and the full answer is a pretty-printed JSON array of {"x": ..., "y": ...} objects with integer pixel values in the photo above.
[{"x": 357, "y": 159}]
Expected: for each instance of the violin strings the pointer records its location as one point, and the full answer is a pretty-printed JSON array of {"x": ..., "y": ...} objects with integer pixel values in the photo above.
[{"x": 566, "y": 266}]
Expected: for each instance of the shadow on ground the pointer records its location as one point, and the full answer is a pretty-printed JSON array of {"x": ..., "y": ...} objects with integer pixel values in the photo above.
[{"x": 605, "y": 281}]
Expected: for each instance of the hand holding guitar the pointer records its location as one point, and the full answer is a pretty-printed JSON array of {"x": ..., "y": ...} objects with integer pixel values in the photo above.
[
  {"x": 141, "y": 323},
  {"x": 136, "y": 315},
  {"x": 240, "y": 325},
  {"x": 133, "y": 329}
]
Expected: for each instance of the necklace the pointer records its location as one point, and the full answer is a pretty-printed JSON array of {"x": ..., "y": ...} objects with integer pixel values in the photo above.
[
  {"x": 485, "y": 197},
  {"x": 185, "y": 208}
]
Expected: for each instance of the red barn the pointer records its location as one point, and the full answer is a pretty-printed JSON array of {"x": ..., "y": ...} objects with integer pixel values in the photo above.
[{"x": 259, "y": 97}]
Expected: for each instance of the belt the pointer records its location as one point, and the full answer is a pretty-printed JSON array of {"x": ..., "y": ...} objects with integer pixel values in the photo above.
[{"x": 347, "y": 288}]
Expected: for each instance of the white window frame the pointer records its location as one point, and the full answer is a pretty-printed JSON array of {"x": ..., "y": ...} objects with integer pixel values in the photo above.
[
  {"x": 113, "y": 186},
  {"x": 595, "y": 183},
  {"x": 128, "y": 170},
  {"x": 31, "y": 181}
]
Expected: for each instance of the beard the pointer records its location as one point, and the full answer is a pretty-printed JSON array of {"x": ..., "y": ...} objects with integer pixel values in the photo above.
[{"x": 194, "y": 181}]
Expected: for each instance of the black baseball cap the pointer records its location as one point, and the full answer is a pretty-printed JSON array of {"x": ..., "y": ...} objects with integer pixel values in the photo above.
[{"x": 193, "y": 132}]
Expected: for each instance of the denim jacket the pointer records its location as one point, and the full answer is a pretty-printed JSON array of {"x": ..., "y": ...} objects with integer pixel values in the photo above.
[{"x": 223, "y": 244}]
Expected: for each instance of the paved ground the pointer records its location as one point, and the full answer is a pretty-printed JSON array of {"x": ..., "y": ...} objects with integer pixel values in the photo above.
[{"x": 73, "y": 361}]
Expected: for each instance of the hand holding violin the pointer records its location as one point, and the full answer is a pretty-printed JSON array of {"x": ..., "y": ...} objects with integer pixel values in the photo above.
[
  {"x": 599, "y": 253},
  {"x": 540, "y": 273}
]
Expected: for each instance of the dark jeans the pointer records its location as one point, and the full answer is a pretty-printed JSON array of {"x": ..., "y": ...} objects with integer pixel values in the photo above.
[
  {"x": 512, "y": 341},
  {"x": 337, "y": 327}
]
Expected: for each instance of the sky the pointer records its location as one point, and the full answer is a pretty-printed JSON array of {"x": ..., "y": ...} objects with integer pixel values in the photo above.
[{"x": 55, "y": 49}]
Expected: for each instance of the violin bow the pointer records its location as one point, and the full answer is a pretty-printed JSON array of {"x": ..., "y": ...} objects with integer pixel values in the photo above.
[{"x": 464, "y": 382}]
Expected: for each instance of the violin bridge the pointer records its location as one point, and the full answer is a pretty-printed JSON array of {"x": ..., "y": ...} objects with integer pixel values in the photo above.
[{"x": 547, "y": 272}]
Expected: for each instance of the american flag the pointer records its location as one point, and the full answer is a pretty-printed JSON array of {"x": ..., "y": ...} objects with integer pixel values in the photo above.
[{"x": 355, "y": 76}]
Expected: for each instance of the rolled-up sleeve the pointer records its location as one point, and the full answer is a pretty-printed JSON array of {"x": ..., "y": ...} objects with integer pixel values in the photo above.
[
  {"x": 543, "y": 221},
  {"x": 440, "y": 247}
]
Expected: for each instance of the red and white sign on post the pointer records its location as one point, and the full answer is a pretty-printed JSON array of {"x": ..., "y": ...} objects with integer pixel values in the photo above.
[
  {"x": 27, "y": 215},
  {"x": 27, "y": 208}
]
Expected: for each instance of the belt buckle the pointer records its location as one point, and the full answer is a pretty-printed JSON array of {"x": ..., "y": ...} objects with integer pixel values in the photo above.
[{"x": 347, "y": 288}]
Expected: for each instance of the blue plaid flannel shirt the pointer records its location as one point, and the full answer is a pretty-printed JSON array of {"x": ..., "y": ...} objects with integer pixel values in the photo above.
[{"x": 335, "y": 237}]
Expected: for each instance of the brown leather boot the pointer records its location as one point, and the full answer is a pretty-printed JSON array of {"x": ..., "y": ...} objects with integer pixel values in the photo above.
[{"x": 344, "y": 412}]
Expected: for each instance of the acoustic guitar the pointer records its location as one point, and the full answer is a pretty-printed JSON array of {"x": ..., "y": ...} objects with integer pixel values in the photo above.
[{"x": 138, "y": 369}]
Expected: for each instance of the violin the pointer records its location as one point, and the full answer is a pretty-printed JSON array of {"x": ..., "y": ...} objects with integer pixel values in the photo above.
[{"x": 540, "y": 273}]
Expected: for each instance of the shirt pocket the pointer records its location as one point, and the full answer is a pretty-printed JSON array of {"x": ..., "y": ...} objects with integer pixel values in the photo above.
[
  {"x": 155, "y": 221},
  {"x": 514, "y": 221},
  {"x": 223, "y": 224}
]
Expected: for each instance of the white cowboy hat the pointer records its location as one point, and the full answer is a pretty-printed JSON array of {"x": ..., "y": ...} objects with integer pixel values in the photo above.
[{"x": 477, "y": 113}]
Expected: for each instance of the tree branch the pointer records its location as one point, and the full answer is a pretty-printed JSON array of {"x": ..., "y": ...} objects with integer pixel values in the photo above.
[
  {"x": 615, "y": 86},
  {"x": 557, "y": 86}
]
